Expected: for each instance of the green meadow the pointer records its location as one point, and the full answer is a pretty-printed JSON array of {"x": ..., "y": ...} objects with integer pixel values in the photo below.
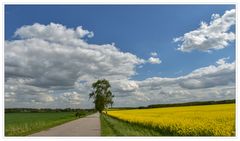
[{"x": 22, "y": 124}]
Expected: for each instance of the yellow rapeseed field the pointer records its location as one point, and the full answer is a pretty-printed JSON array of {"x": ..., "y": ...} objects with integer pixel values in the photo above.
[{"x": 206, "y": 120}]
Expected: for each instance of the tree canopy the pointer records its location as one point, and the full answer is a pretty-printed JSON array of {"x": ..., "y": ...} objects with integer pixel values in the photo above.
[{"x": 101, "y": 94}]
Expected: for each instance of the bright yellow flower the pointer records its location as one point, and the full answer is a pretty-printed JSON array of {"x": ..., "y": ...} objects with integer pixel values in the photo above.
[{"x": 207, "y": 120}]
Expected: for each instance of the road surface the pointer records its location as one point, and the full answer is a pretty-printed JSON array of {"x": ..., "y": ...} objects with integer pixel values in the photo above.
[{"x": 87, "y": 126}]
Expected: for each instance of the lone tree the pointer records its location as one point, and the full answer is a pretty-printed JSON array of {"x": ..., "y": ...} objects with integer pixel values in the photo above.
[{"x": 101, "y": 94}]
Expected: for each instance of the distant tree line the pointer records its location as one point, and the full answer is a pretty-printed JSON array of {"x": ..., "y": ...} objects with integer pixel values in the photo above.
[
  {"x": 192, "y": 103},
  {"x": 181, "y": 104},
  {"x": 41, "y": 110},
  {"x": 32, "y": 110}
]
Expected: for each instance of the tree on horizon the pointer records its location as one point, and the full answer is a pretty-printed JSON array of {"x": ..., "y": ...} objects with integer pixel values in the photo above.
[{"x": 101, "y": 94}]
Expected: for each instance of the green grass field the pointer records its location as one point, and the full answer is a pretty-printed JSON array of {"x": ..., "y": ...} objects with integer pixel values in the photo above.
[{"x": 22, "y": 124}]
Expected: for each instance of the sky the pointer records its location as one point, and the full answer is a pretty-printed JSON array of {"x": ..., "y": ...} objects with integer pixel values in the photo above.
[{"x": 151, "y": 54}]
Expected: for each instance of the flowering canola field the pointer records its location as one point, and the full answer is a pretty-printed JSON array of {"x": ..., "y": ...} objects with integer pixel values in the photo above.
[{"x": 205, "y": 120}]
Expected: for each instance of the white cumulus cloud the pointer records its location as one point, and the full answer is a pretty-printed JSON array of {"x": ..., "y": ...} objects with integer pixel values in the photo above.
[
  {"x": 53, "y": 66},
  {"x": 212, "y": 36},
  {"x": 214, "y": 82},
  {"x": 54, "y": 57},
  {"x": 222, "y": 61},
  {"x": 154, "y": 60},
  {"x": 154, "y": 54}
]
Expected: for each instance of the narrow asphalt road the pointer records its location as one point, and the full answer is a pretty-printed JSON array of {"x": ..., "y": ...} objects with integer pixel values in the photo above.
[{"x": 87, "y": 126}]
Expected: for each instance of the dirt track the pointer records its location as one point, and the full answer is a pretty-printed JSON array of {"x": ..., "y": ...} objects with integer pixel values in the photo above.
[{"x": 87, "y": 126}]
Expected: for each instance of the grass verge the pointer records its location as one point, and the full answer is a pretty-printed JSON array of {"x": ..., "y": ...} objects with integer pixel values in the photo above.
[{"x": 115, "y": 127}]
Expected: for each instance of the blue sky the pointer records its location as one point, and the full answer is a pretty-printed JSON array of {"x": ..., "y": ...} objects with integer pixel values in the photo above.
[{"x": 135, "y": 29}]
